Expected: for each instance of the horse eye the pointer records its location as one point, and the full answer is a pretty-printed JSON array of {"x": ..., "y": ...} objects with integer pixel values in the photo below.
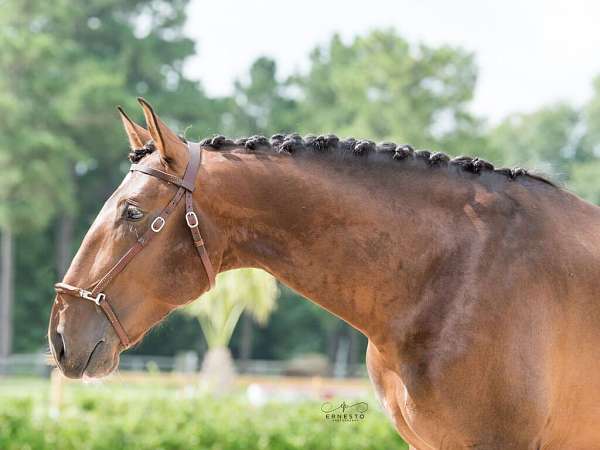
[{"x": 133, "y": 213}]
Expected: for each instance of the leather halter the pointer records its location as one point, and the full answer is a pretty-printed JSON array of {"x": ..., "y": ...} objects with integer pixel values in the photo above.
[{"x": 186, "y": 187}]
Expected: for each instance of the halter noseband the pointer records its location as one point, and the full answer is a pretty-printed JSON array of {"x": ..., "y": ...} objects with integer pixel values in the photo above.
[{"x": 186, "y": 187}]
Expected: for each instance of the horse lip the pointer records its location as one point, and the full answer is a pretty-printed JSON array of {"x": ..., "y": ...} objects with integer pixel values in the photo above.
[{"x": 87, "y": 363}]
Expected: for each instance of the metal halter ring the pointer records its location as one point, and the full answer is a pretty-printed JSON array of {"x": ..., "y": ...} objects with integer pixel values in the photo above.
[
  {"x": 157, "y": 224},
  {"x": 88, "y": 296},
  {"x": 191, "y": 215}
]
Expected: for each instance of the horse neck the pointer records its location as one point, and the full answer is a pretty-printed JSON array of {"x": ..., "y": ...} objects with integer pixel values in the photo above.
[{"x": 353, "y": 239}]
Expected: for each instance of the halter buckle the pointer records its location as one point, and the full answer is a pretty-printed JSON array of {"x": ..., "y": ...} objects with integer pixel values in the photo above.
[
  {"x": 88, "y": 296},
  {"x": 191, "y": 215},
  {"x": 157, "y": 224}
]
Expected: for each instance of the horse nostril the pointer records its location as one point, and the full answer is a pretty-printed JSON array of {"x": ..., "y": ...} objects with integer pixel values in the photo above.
[
  {"x": 59, "y": 346},
  {"x": 61, "y": 354}
]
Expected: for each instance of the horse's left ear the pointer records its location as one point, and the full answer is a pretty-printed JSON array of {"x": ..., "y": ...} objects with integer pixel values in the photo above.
[{"x": 171, "y": 148}]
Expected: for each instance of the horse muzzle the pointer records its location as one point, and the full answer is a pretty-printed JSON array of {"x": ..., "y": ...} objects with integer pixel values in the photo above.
[{"x": 93, "y": 352}]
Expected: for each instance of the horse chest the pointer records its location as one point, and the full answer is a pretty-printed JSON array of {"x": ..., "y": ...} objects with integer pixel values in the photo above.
[{"x": 416, "y": 425}]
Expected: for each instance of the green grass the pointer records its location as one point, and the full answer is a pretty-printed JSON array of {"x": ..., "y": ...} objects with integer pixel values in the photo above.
[{"x": 140, "y": 417}]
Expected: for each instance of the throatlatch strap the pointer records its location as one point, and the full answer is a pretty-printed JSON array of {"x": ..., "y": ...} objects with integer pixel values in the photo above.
[
  {"x": 192, "y": 221},
  {"x": 191, "y": 217}
]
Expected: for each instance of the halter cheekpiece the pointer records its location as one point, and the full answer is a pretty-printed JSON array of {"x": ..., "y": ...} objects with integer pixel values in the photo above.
[{"x": 186, "y": 187}]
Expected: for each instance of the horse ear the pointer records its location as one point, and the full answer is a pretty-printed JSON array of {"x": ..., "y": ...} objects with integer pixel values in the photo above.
[
  {"x": 169, "y": 145},
  {"x": 137, "y": 134}
]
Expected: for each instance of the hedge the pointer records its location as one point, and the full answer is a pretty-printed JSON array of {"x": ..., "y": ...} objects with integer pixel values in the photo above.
[{"x": 112, "y": 418}]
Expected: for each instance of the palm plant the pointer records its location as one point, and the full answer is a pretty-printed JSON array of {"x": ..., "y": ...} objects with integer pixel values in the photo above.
[{"x": 219, "y": 310}]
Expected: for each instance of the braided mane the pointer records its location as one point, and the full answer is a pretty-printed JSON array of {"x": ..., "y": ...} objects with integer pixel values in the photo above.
[
  {"x": 294, "y": 143},
  {"x": 137, "y": 154}
]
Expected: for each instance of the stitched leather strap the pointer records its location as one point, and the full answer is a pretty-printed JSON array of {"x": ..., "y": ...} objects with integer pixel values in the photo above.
[
  {"x": 192, "y": 222},
  {"x": 158, "y": 174},
  {"x": 138, "y": 246},
  {"x": 116, "y": 324},
  {"x": 191, "y": 217},
  {"x": 191, "y": 170},
  {"x": 64, "y": 288}
]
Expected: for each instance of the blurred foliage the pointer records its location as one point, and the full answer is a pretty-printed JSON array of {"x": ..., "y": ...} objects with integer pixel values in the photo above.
[
  {"x": 236, "y": 291},
  {"x": 381, "y": 87},
  {"x": 64, "y": 65},
  {"x": 300, "y": 327},
  {"x": 584, "y": 180},
  {"x": 261, "y": 104},
  {"x": 111, "y": 417},
  {"x": 542, "y": 140},
  {"x": 591, "y": 122}
]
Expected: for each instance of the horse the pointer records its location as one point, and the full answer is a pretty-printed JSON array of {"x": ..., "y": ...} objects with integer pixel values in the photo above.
[{"x": 476, "y": 287}]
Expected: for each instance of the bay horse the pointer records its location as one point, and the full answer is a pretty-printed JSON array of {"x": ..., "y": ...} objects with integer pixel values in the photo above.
[{"x": 478, "y": 288}]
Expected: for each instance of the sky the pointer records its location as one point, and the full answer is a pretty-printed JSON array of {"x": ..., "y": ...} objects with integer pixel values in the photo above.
[{"x": 529, "y": 52}]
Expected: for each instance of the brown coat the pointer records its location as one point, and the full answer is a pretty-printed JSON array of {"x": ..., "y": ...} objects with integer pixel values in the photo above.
[{"x": 478, "y": 292}]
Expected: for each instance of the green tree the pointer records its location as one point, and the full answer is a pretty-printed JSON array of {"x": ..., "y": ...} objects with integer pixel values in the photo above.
[
  {"x": 591, "y": 118},
  {"x": 379, "y": 86},
  {"x": 261, "y": 103},
  {"x": 64, "y": 66},
  {"x": 585, "y": 172},
  {"x": 35, "y": 181},
  {"x": 584, "y": 180},
  {"x": 219, "y": 310},
  {"x": 546, "y": 140}
]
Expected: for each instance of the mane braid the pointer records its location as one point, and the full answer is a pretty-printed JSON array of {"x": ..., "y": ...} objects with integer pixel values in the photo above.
[
  {"x": 136, "y": 154},
  {"x": 294, "y": 143}
]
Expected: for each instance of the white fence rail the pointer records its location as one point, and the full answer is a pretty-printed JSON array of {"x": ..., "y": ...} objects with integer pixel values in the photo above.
[{"x": 39, "y": 364}]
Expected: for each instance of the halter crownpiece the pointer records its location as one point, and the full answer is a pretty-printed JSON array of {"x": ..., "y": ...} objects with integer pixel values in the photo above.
[{"x": 186, "y": 185}]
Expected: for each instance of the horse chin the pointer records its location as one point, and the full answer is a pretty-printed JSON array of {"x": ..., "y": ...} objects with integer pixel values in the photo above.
[{"x": 103, "y": 361}]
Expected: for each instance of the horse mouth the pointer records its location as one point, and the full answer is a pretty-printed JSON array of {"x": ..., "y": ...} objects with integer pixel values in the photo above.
[
  {"x": 100, "y": 362},
  {"x": 87, "y": 363}
]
